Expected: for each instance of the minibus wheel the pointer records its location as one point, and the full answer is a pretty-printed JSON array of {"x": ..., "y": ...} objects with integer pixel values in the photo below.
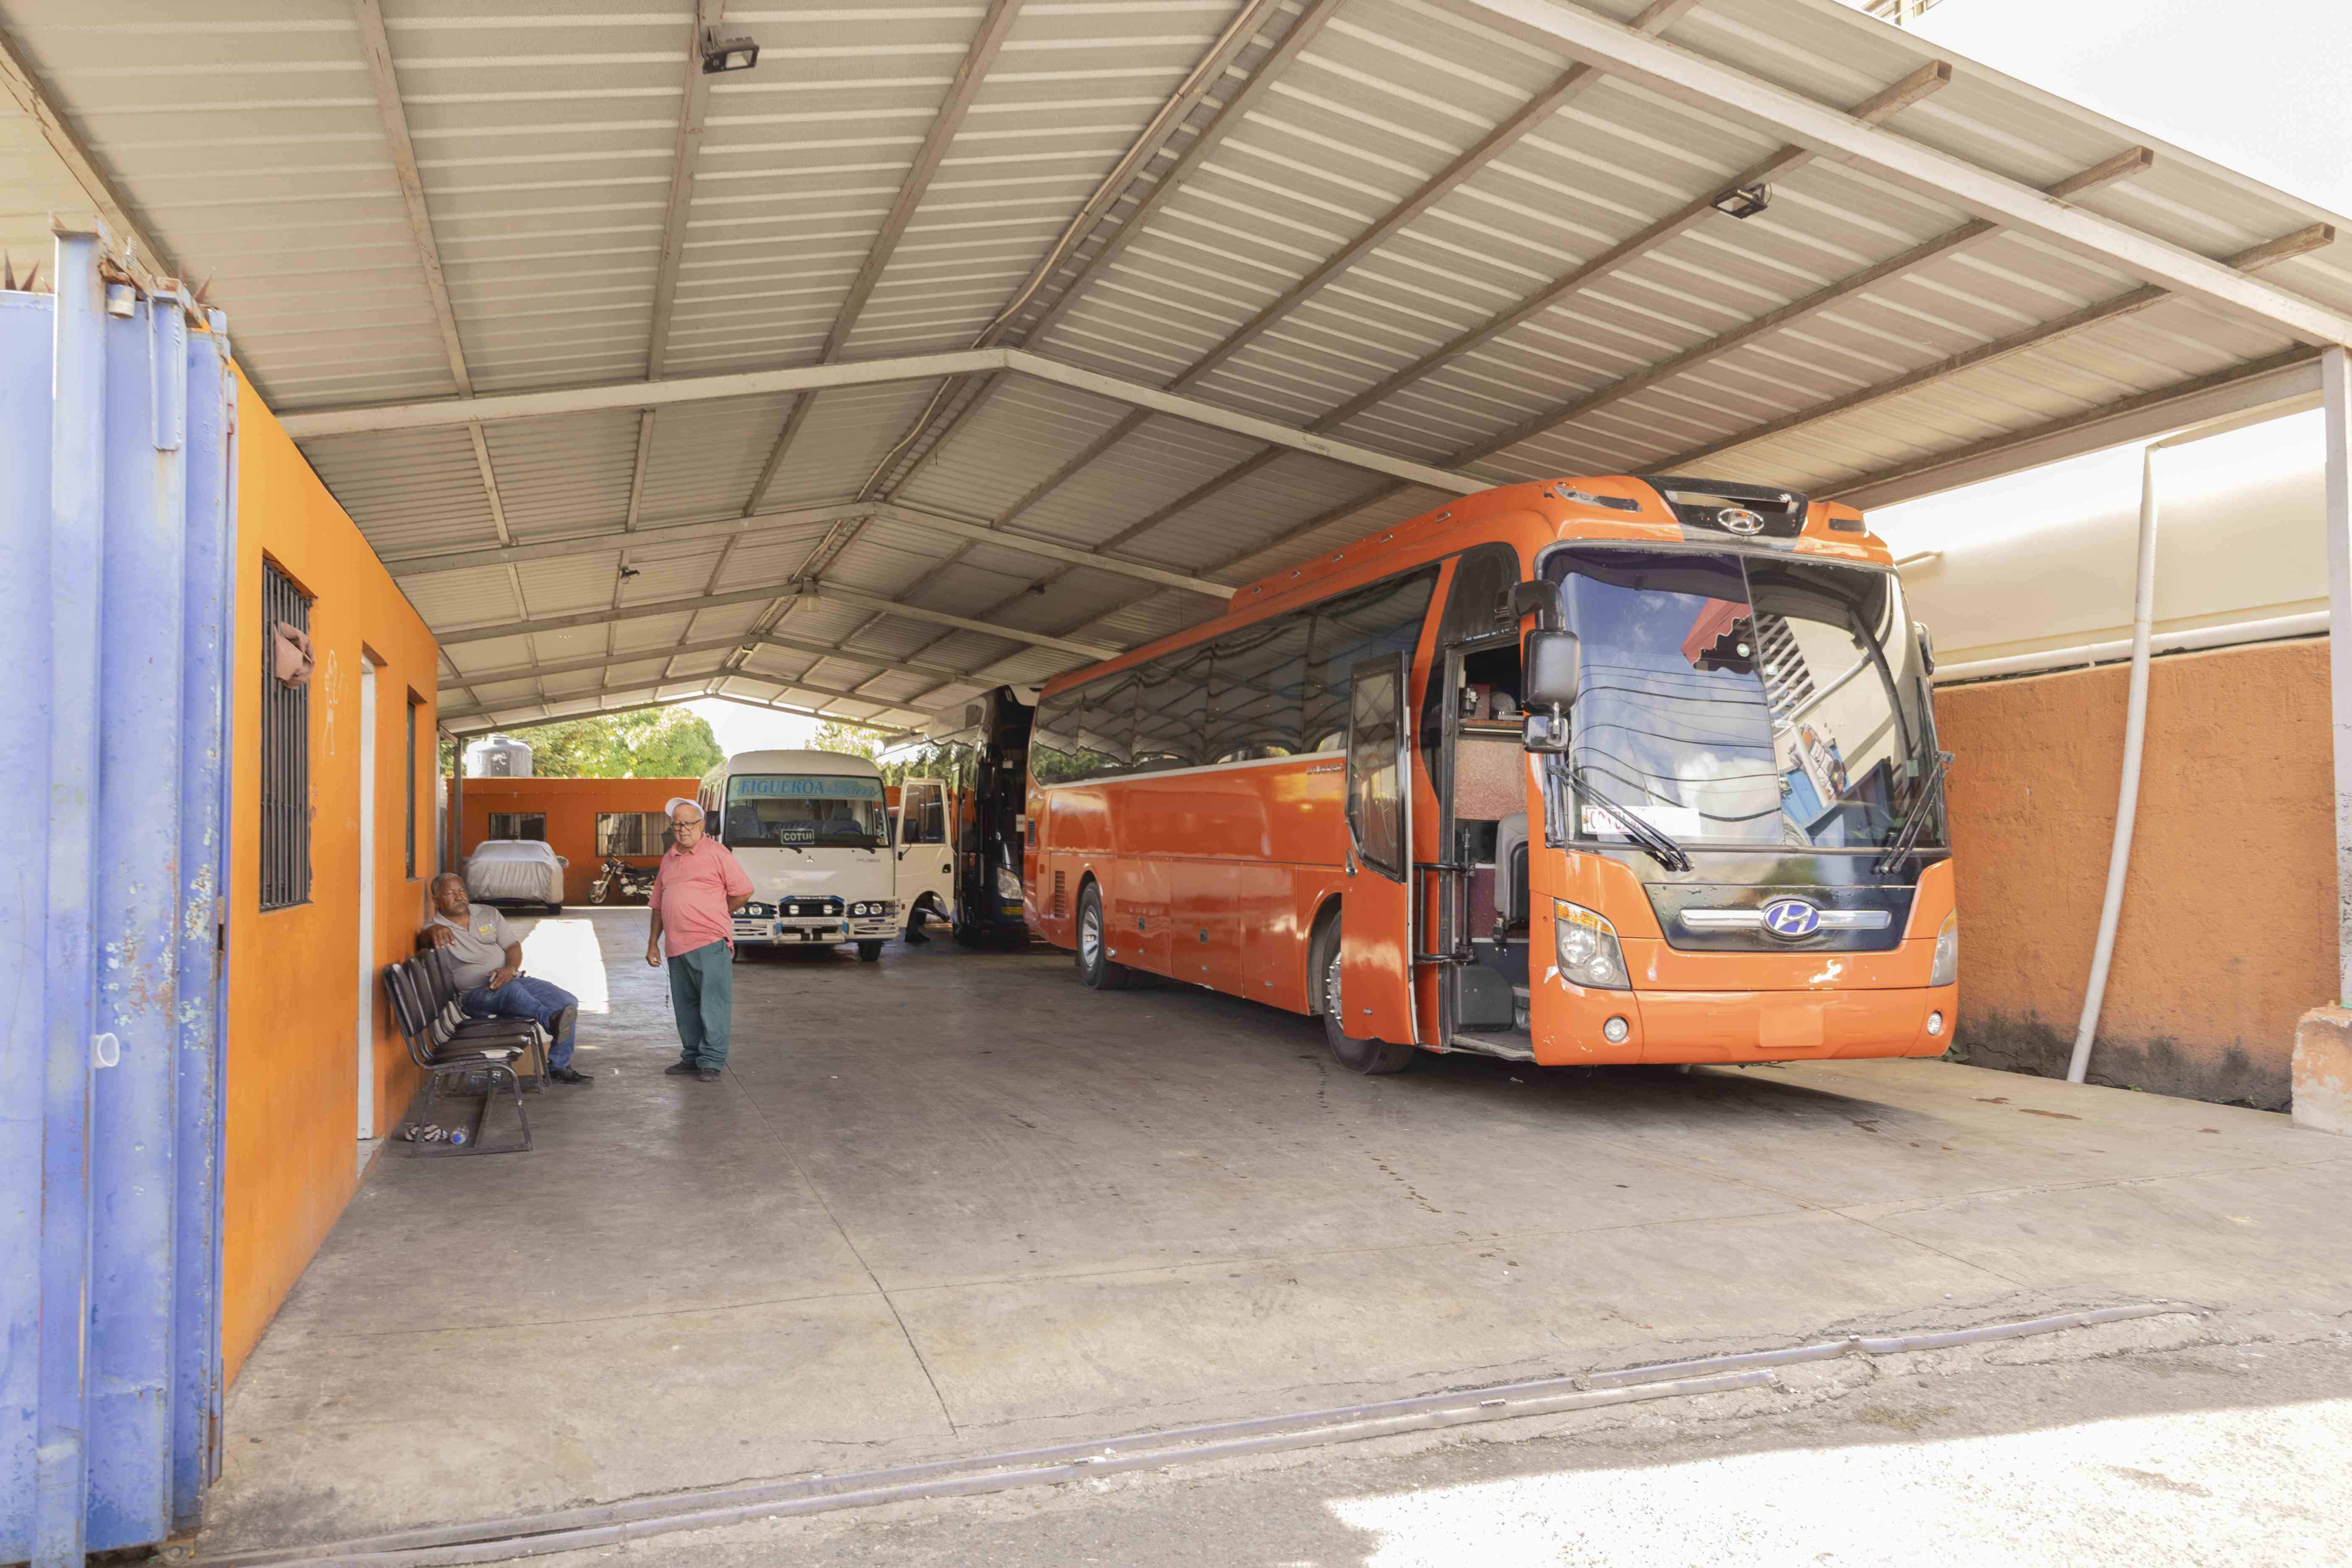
[
  {"x": 1096, "y": 970},
  {"x": 869, "y": 952},
  {"x": 1369, "y": 1058}
]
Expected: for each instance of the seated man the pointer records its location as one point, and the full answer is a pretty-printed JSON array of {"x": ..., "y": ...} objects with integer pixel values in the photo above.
[{"x": 485, "y": 967}]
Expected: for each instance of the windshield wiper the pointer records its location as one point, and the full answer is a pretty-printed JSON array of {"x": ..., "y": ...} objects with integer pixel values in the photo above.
[
  {"x": 1656, "y": 844},
  {"x": 1914, "y": 820}
]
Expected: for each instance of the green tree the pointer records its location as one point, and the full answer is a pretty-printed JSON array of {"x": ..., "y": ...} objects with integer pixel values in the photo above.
[
  {"x": 651, "y": 744},
  {"x": 834, "y": 737}
]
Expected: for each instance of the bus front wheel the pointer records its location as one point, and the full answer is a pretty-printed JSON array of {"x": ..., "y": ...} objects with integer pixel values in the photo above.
[
  {"x": 1369, "y": 1058},
  {"x": 1096, "y": 970}
]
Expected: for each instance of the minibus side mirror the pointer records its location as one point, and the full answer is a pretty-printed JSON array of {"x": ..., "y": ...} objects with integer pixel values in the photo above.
[{"x": 1927, "y": 646}]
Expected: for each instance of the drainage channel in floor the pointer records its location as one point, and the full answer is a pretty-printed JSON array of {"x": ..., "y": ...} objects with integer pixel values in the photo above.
[{"x": 605, "y": 1524}]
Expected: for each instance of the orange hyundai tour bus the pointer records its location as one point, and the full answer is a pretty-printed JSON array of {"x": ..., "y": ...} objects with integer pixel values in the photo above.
[{"x": 1586, "y": 771}]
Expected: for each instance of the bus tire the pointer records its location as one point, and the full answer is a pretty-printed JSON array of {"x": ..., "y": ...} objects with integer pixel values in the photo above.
[
  {"x": 1096, "y": 970},
  {"x": 1370, "y": 1058},
  {"x": 869, "y": 952}
]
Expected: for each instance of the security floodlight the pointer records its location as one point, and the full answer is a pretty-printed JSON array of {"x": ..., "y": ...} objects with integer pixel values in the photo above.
[
  {"x": 736, "y": 54},
  {"x": 1740, "y": 201}
]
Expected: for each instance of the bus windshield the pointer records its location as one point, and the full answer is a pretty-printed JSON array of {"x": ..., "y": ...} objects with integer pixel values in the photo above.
[
  {"x": 1730, "y": 699},
  {"x": 822, "y": 811}
]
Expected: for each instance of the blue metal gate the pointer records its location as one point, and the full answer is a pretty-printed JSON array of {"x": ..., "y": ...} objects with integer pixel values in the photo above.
[{"x": 117, "y": 519}]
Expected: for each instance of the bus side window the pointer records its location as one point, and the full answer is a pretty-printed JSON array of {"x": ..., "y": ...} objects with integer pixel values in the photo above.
[{"x": 1383, "y": 619}]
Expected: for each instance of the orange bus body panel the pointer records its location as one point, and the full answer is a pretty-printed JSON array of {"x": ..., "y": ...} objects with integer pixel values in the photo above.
[{"x": 1216, "y": 875}]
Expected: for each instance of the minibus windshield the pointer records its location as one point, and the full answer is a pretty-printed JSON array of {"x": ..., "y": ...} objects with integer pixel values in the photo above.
[
  {"x": 803, "y": 811},
  {"x": 1737, "y": 700}
]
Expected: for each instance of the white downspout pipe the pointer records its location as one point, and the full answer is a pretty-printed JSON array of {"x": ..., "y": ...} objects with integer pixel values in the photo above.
[{"x": 2128, "y": 795}]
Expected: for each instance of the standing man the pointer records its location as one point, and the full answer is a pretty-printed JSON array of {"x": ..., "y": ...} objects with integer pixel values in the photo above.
[
  {"x": 696, "y": 894},
  {"x": 486, "y": 966}
]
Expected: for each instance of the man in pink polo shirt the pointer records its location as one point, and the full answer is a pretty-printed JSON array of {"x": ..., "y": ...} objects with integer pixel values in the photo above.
[{"x": 696, "y": 894}]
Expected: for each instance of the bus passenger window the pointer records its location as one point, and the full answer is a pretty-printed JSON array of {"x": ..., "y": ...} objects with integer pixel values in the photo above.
[{"x": 1257, "y": 693}]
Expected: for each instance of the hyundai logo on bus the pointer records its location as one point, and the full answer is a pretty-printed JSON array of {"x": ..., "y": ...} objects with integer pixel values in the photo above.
[
  {"x": 1792, "y": 918},
  {"x": 1740, "y": 520}
]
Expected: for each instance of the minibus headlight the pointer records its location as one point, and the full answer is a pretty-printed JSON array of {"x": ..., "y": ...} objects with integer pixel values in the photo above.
[
  {"x": 1947, "y": 951},
  {"x": 1588, "y": 953},
  {"x": 1008, "y": 884}
]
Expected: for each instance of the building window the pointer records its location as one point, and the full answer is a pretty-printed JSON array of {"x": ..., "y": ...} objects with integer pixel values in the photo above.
[
  {"x": 285, "y": 741},
  {"x": 518, "y": 825},
  {"x": 413, "y": 702},
  {"x": 630, "y": 832}
]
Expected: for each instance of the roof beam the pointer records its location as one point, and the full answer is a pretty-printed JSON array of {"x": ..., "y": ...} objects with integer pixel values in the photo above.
[
  {"x": 688, "y": 151},
  {"x": 1715, "y": 88},
  {"x": 2278, "y": 385},
  {"x": 731, "y": 526},
  {"x": 475, "y": 722},
  {"x": 917, "y": 367},
  {"x": 2302, "y": 240},
  {"x": 2122, "y": 166},
  {"x": 994, "y": 22},
  {"x": 765, "y": 594},
  {"x": 881, "y": 663}
]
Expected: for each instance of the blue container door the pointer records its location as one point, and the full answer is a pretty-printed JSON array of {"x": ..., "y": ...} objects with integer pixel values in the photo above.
[{"x": 109, "y": 1150}]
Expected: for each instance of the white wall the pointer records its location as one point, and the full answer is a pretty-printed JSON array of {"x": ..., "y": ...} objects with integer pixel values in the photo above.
[{"x": 2044, "y": 559}]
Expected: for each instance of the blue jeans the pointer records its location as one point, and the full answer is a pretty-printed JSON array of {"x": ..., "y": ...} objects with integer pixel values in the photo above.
[{"x": 523, "y": 997}]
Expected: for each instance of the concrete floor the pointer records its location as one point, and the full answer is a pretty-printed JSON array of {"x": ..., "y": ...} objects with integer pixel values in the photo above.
[{"x": 954, "y": 1203}]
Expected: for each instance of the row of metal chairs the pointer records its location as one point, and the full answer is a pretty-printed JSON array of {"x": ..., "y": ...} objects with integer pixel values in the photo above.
[{"x": 472, "y": 1053}]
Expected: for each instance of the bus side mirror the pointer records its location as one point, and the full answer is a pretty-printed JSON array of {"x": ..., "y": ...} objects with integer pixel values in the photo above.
[{"x": 1550, "y": 663}]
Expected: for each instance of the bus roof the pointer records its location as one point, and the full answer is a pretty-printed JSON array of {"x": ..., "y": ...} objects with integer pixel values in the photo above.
[
  {"x": 842, "y": 762},
  {"x": 1620, "y": 507}
]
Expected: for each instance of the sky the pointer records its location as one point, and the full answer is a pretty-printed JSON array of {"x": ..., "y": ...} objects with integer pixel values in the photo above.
[
  {"x": 741, "y": 728},
  {"x": 2257, "y": 85}
]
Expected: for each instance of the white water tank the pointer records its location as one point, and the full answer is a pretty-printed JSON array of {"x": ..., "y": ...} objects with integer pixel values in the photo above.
[{"x": 498, "y": 757}]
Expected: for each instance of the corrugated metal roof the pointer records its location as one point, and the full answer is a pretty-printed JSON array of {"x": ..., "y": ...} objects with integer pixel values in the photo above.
[{"x": 1417, "y": 226}]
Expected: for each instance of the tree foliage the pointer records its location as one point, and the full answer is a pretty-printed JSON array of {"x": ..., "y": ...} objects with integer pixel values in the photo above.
[
  {"x": 926, "y": 761},
  {"x": 651, "y": 744}
]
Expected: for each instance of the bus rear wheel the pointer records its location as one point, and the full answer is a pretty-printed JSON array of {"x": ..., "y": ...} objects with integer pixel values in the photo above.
[
  {"x": 1370, "y": 1058},
  {"x": 1096, "y": 970}
]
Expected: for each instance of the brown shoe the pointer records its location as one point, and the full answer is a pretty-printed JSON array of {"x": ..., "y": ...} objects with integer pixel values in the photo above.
[{"x": 707, "y": 1074}]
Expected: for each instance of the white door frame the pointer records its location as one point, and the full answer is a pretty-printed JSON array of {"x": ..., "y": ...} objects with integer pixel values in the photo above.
[{"x": 367, "y": 986}]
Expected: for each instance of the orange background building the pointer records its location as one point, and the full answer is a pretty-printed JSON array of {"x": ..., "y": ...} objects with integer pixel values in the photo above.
[
  {"x": 2229, "y": 915},
  {"x": 300, "y": 996},
  {"x": 571, "y": 807}
]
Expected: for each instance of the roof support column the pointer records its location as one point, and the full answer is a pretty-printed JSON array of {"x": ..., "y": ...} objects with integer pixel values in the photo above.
[{"x": 2336, "y": 393}]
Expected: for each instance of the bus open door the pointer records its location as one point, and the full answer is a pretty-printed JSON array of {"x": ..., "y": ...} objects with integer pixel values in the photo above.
[{"x": 1372, "y": 1000}]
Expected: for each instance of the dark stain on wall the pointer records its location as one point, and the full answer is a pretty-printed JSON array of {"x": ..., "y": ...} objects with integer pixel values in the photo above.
[{"x": 2228, "y": 1075}]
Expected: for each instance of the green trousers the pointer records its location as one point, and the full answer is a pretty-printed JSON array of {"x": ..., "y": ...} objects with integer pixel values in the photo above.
[{"x": 702, "y": 995}]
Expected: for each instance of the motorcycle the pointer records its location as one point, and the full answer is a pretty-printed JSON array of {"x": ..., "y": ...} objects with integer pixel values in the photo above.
[{"x": 618, "y": 879}]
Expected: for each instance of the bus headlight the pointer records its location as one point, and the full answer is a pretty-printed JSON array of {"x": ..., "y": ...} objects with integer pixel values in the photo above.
[
  {"x": 1008, "y": 884},
  {"x": 1947, "y": 951},
  {"x": 1588, "y": 953}
]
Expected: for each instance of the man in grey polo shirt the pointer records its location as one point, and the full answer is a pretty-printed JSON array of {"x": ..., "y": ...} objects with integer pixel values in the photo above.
[{"x": 485, "y": 967}]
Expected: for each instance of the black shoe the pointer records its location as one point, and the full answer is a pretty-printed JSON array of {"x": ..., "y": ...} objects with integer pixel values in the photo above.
[
  {"x": 707, "y": 1074},
  {"x": 565, "y": 1075},
  {"x": 681, "y": 1069}
]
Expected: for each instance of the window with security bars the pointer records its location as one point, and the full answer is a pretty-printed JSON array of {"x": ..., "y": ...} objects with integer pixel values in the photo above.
[
  {"x": 285, "y": 751},
  {"x": 630, "y": 832},
  {"x": 518, "y": 825}
]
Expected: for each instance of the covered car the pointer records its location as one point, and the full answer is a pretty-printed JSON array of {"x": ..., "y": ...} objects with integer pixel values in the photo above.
[{"x": 515, "y": 870}]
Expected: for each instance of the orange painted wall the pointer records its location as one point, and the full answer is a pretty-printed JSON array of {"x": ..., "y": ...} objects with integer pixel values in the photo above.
[
  {"x": 291, "y": 1095},
  {"x": 2228, "y": 919},
  {"x": 571, "y": 805}
]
